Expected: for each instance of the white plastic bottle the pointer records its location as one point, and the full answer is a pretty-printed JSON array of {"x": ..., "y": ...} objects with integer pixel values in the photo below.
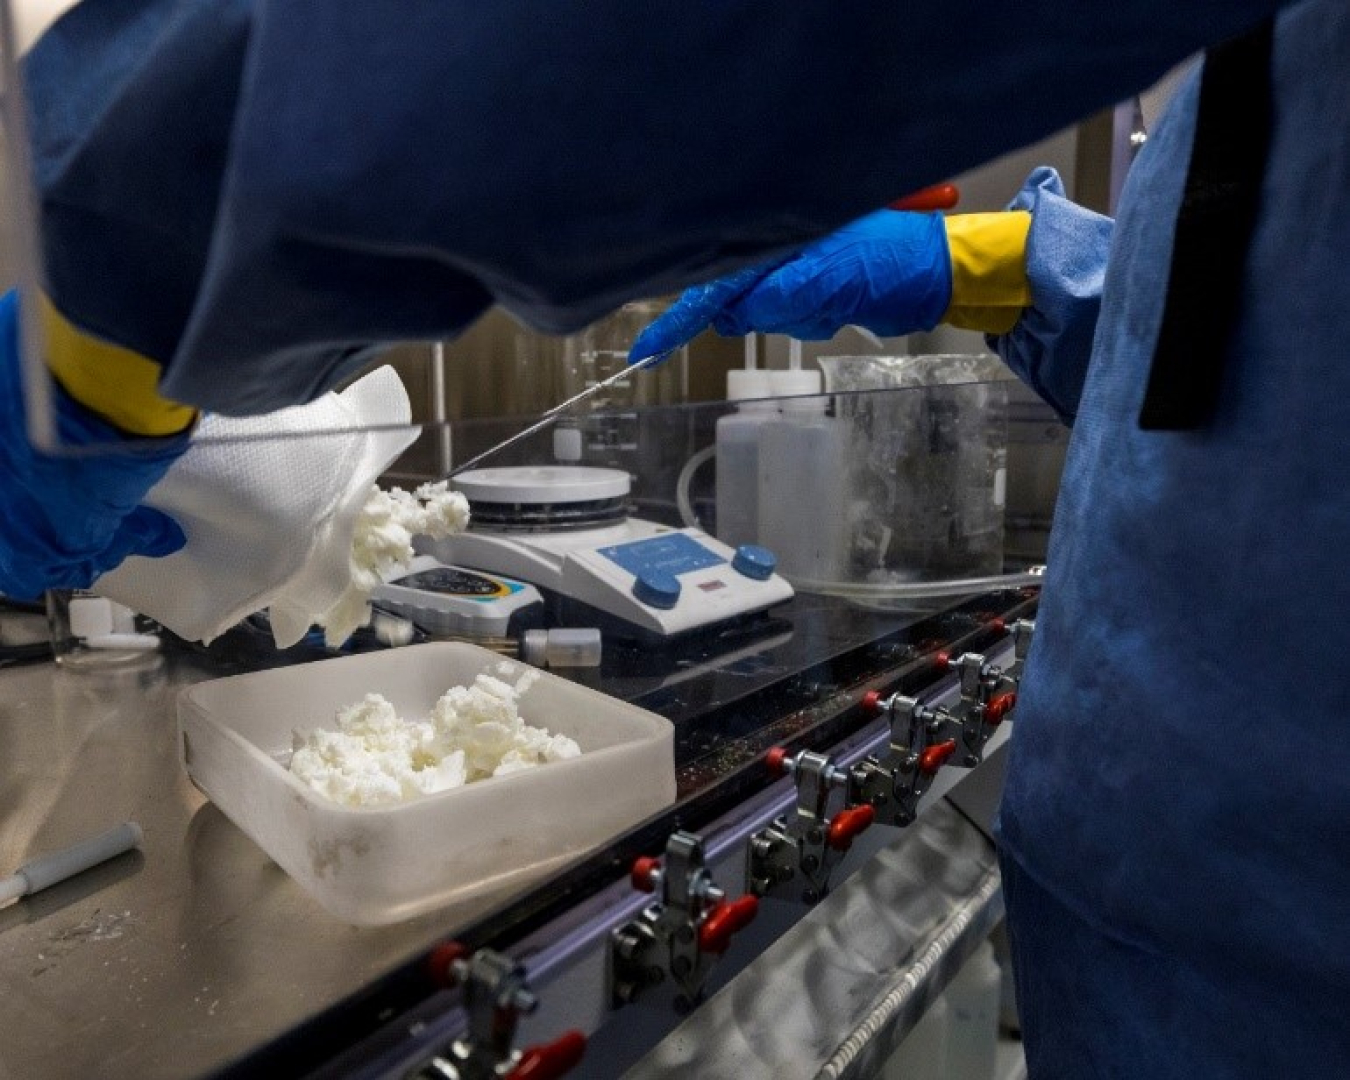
[
  {"x": 803, "y": 483},
  {"x": 923, "y": 1054},
  {"x": 973, "y": 996},
  {"x": 738, "y": 456}
]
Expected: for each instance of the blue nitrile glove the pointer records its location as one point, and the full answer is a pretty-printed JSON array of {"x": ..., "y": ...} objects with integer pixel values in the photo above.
[
  {"x": 66, "y": 520},
  {"x": 889, "y": 272}
]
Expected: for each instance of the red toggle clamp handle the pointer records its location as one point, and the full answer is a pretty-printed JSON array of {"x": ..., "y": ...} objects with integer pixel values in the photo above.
[
  {"x": 936, "y": 197},
  {"x": 725, "y": 919},
  {"x": 549, "y": 1060},
  {"x": 847, "y": 825},
  {"x": 440, "y": 961},
  {"x": 643, "y": 874},
  {"x": 999, "y": 707},
  {"x": 777, "y": 760},
  {"x": 936, "y": 756}
]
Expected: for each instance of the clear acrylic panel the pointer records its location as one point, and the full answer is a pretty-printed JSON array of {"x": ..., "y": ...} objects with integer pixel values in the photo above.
[{"x": 871, "y": 493}]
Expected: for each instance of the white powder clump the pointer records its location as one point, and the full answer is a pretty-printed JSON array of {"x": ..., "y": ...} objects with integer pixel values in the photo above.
[
  {"x": 382, "y": 544},
  {"x": 375, "y": 757}
]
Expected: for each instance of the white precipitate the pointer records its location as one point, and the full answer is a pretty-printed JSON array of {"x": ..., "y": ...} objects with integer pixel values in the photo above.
[
  {"x": 375, "y": 757},
  {"x": 382, "y": 544}
]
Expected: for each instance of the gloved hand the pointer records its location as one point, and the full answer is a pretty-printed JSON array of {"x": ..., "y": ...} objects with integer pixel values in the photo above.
[
  {"x": 65, "y": 520},
  {"x": 890, "y": 272}
]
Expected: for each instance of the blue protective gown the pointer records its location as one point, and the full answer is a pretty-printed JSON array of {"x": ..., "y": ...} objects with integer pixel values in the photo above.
[
  {"x": 255, "y": 191},
  {"x": 1176, "y": 825}
]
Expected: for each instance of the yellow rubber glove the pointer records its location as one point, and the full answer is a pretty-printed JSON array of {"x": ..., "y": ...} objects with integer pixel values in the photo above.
[
  {"x": 112, "y": 382},
  {"x": 989, "y": 270}
]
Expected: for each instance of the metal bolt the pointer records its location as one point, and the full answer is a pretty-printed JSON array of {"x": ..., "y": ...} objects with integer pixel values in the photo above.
[
  {"x": 439, "y": 1067},
  {"x": 626, "y": 944},
  {"x": 971, "y": 759},
  {"x": 681, "y": 966},
  {"x": 810, "y": 895},
  {"x": 815, "y": 835},
  {"x": 810, "y": 863}
]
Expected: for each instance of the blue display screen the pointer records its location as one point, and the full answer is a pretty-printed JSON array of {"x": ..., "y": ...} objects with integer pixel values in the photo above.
[{"x": 674, "y": 554}]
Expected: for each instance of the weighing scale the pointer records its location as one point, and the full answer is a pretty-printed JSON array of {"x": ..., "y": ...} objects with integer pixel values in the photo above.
[
  {"x": 567, "y": 530},
  {"x": 451, "y": 600}
]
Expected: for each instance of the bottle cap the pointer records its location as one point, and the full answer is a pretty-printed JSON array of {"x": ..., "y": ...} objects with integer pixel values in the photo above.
[
  {"x": 793, "y": 382},
  {"x": 748, "y": 385}
]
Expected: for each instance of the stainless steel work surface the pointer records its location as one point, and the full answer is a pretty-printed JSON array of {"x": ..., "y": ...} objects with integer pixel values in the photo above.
[
  {"x": 164, "y": 962},
  {"x": 198, "y": 951}
]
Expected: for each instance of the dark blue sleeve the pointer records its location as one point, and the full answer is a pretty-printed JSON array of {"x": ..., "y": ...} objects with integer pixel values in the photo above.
[
  {"x": 327, "y": 175},
  {"x": 1067, "y": 252}
]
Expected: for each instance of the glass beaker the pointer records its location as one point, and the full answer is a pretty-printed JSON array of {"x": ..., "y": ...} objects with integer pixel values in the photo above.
[
  {"x": 609, "y": 425},
  {"x": 927, "y": 465}
]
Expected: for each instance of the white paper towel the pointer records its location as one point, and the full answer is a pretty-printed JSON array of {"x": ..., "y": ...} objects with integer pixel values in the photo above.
[{"x": 269, "y": 513}]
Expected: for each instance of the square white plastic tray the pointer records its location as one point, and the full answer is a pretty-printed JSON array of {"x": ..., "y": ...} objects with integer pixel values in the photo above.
[{"x": 378, "y": 865}]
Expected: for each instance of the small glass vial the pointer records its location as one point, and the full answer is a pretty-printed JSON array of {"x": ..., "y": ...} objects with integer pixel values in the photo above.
[
  {"x": 562, "y": 647},
  {"x": 93, "y": 632}
]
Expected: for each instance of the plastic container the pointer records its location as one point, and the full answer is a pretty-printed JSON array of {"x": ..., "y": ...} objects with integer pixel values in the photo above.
[
  {"x": 802, "y": 491},
  {"x": 379, "y": 865},
  {"x": 738, "y": 456},
  {"x": 973, "y": 997}
]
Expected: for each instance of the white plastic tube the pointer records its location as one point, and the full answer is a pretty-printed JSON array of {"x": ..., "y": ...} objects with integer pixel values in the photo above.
[
  {"x": 682, "y": 501},
  {"x": 138, "y": 642},
  {"x": 920, "y": 590},
  {"x": 48, "y": 870}
]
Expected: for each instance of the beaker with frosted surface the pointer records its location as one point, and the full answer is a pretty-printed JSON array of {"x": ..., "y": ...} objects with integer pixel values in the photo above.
[{"x": 926, "y": 471}]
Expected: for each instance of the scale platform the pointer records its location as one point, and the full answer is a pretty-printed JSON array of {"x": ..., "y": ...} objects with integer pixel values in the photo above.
[{"x": 566, "y": 529}]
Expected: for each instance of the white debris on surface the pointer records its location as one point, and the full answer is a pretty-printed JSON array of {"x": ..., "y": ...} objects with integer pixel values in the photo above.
[
  {"x": 375, "y": 757},
  {"x": 382, "y": 545}
]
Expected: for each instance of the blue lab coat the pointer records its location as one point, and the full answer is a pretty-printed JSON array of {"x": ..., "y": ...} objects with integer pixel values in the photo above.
[
  {"x": 256, "y": 191},
  {"x": 1176, "y": 824}
]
